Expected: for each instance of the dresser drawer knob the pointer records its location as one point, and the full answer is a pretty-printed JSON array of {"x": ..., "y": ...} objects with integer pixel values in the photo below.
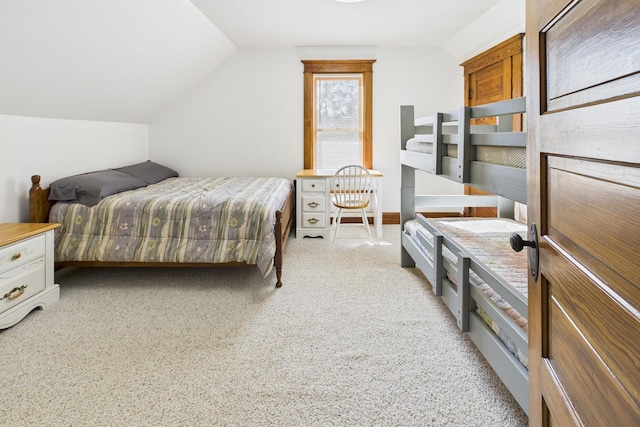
[
  {"x": 16, "y": 256},
  {"x": 313, "y": 220},
  {"x": 14, "y": 293},
  {"x": 313, "y": 204}
]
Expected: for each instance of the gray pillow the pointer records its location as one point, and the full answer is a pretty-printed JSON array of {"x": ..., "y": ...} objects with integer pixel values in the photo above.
[
  {"x": 149, "y": 172},
  {"x": 90, "y": 188}
]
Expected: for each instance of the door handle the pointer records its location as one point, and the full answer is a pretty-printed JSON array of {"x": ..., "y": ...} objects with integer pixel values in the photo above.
[{"x": 518, "y": 244}]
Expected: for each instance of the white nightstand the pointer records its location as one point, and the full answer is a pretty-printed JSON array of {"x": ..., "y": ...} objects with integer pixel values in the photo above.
[
  {"x": 313, "y": 202},
  {"x": 26, "y": 270}
]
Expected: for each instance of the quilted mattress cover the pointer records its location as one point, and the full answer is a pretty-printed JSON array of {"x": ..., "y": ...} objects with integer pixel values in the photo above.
[
  {"x": 183, "y": 220},
  {"x": 504, "y": 156}
]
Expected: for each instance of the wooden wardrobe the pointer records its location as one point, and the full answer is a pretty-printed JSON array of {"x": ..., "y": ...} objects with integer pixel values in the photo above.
[
  {"x": 491, "y": 76},
  {"x": 583, "y": 127}
]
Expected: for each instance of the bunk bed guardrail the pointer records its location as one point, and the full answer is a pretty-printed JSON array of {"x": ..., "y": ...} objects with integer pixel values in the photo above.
[{"x": 456, "y": 146}]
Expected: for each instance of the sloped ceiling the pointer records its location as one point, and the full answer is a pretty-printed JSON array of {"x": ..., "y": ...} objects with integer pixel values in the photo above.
[
  {"x": 124, "y": 60},
  {"x": 277, "y": 23},
  {"x": 106, "y": 60}
]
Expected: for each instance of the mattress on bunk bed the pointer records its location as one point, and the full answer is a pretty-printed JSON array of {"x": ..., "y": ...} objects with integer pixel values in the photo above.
[
  {"x": 423, "y": 144},
  {"x": 487, "y": 239},
  {"x": 497, "y": 155}
]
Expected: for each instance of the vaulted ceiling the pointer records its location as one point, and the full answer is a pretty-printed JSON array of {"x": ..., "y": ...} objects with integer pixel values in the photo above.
[
  {"x": 123, "y": 60},
  {"x": 268, "y": 23}
]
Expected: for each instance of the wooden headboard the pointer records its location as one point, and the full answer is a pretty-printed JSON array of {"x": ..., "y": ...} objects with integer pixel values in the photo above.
[{"x": 39, "y": 203}]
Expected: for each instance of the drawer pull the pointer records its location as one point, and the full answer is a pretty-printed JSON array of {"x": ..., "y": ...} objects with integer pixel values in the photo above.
[
  {"x": 14, "y": 293},
  {"x": 313, "y": 204},
  {"x": 16, "y": 256},
  {"x": 313, "y": 220}
]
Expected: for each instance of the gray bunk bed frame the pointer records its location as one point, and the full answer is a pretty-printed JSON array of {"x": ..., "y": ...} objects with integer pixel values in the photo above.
[{"x": 508, "y": 184}]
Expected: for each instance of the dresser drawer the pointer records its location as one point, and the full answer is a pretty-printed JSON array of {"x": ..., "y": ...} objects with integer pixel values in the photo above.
[
  {"x": 20, "y": 253},
  {"x": 313, "y": 203},
  {"x": 313, "y": 220},
  {"x": 22, "y": 282},
  {"x": 313, "y": 185}
]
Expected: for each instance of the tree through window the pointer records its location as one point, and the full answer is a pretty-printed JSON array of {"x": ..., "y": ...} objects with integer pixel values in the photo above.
[{"x": 337, "y": 113}]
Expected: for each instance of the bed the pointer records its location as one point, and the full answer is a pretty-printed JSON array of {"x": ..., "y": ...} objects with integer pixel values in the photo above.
[
  {"x": 469, "y": 261},
  {"x": 145, "y": 215}
]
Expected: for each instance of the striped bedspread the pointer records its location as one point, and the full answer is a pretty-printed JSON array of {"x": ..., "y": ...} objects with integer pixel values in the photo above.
[{"x": 185, "y": 220}]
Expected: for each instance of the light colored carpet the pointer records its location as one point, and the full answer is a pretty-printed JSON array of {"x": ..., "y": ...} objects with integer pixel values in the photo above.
[{"x": 351, "y": 339}]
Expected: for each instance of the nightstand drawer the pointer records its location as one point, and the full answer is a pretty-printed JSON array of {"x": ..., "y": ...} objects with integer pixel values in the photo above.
[
  {"x": 20, "y": 283},
  {"x": 17, "y": 254},
  {"x": 313, "y": 220},
  {"x": 26, "y": 270},
  {"x": 313, "y": 185},
  {"x": 313, "y": 203}
]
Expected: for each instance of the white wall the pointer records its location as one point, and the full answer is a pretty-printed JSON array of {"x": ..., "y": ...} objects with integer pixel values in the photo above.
[
  {"x": 107, "y": 60},
  {"x": 245, "y": 118},
  {"x": 55, "y": 148},
  {"x": 502, "y": 21}
]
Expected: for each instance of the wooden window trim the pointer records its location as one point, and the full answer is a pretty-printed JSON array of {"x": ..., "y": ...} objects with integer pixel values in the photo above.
[{"x": 364, "y": 67}]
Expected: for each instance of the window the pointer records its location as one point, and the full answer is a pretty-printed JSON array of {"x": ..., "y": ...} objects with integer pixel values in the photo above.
[
  {"x": 337, "y": 113},
  {"x": 337, "y": 129}
]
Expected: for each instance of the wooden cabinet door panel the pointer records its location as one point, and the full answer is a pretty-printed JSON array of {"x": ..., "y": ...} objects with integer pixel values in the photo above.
[
  {"x": 491, "y": 84},
  {"x": 583, "y": 68},
  {"x": 494, "y": 75}
]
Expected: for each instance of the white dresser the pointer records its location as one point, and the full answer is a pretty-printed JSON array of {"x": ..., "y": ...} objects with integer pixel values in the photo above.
[
  {"x": 313, "y": 203},
  {"x": 26, "y": 270}
]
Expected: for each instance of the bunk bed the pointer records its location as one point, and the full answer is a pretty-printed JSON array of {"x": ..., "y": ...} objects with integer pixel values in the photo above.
[{"x": 469, "y": 261}]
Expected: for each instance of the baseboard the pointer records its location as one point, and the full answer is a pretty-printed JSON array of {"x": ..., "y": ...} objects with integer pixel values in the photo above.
[
  {"x": 441, "y": 214},
  {"x": 390, "y": 217},
  {"x": 394, "y": 217}
]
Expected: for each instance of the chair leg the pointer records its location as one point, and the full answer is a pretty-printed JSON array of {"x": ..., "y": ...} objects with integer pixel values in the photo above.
[
  {"x": 339, "y": 218},
  {"x": 365, "y": 221}
]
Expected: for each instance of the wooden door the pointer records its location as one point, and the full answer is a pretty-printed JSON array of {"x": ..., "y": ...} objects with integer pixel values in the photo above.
[
  {"x": 492, "y": 76},
  {"x": 583, "y": 126}
]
